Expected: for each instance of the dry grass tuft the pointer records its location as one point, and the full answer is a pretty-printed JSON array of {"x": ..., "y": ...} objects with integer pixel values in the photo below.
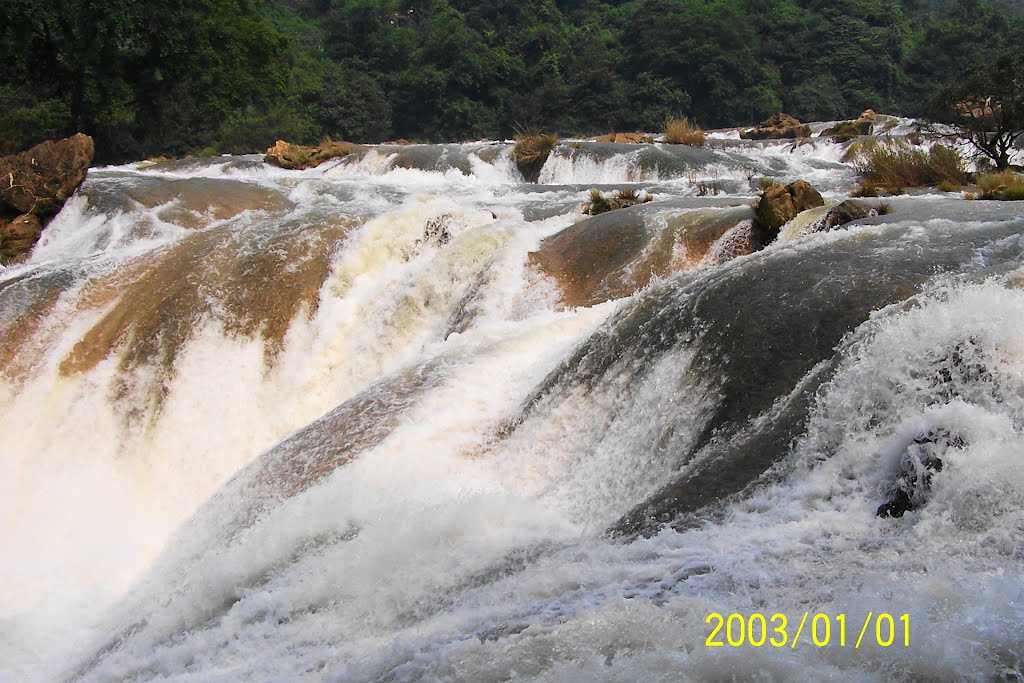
[
  {"x": 858, "y": 149},
  {"x": 598, "y": 203},
  {"x": 1005, "y": 186},
  {"x": 531, "y": 151},
  {"x": 533, "y": 147},
  {"x": 682, "y": 131},
  {"x": 893, "y": 166}
]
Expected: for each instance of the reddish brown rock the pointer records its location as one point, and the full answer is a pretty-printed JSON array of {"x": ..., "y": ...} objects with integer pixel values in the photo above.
[
  {"x": 626, "y": 138},
  {"x": 741, "y": 240},
  {"x": 618, "y": 253},
  {"x": 40, "y": 180},
  {"x": 25, "y": 226},
  {"x": 780, "y": 204},
  {"x": 197, "y": 202},
  {"x": 778, "y": 127},
  {"x": 297, "y": 157},
  {"x": 18, "y": 236},
  {"x": 847, "y": 130},
  {"x": 35, "y": 184}
]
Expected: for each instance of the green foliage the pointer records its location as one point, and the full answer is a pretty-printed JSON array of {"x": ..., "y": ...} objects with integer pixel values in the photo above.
[
  {"x": 985, "y": 105},
  {"x": 26, "y": 121},
  {"x": 169, "y": 77},
  {"x": 350, "y": 104},
  {"x": 162, "y": 76}
]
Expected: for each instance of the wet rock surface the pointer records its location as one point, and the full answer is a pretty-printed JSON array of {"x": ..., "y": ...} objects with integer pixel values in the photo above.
[
  {"x": 777, "y": 127},
  {"x": 845, "y": 131},
  {"x": 298, "y": 157},
  {"x": 618, "y": 253},
  {"x": 34, "y": 186},
  {"x": 781, "y": 203},
  {"x": 626, "y": 138}
]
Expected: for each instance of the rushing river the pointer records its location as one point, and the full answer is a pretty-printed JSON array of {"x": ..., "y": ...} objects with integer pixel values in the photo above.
[{"x": 406, "y": 417}]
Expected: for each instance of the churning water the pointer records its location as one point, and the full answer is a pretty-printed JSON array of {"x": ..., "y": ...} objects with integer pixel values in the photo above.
[{"x": 408, "y": 418}]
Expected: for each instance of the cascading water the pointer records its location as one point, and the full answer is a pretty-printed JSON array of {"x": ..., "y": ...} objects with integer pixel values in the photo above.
[{"x": 409, "y": 418}]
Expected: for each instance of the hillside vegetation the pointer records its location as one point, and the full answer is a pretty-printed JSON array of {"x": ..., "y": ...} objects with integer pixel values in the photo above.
[{"x": 170, "y": 77}]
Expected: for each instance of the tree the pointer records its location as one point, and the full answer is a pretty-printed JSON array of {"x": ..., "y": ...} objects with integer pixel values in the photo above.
[{"x": 985, "y": 106}]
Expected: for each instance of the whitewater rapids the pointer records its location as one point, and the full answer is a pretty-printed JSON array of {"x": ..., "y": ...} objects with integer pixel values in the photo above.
[{"x": 351, "y": 423}]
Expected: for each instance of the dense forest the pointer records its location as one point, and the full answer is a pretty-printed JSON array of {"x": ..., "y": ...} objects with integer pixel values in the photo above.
[{"x": 178, "y": 76}]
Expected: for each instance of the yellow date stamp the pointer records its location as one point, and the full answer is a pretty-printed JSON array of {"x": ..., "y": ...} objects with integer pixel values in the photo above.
[{"x": 758, "y": 630}]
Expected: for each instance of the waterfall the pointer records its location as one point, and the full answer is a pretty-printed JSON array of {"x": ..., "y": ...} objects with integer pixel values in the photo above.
[{"x": 409, "y": 418}]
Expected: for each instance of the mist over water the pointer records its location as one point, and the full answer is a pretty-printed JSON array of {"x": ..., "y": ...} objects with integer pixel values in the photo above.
[{"x": 407, "y": 417}]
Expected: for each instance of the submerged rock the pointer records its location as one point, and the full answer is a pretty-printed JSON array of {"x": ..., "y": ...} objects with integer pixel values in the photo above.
[
  {"x": 34, "y": 186},
  {"x": 193, "y": 202},
  {"x": 438, "y": 230},
  {"x": 742, "y": 239},
  {"x": 841, "y": 214},
  {"x": 780, "y": 204},
  {"x": 297, "y": 157},
  {"x": 777, "y": 127},
  {"x": 914, "y": 475},
  {"x": 616, "y": 254}
]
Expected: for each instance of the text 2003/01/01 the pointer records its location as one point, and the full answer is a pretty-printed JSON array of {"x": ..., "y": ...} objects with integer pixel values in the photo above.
[{"x": 757, "y": 630}]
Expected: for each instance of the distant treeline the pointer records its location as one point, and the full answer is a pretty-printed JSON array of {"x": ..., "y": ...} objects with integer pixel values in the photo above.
[{"x": 148, "y": 77}]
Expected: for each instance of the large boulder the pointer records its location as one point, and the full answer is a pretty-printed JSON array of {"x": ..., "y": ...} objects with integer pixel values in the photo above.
[
  {"x": 297, "y": 157},
  {"x": 843, "y": 213},
  {"x": 34, "y": 186},
  {"x": 615, "y": 254},
  {"x": 40, "y": 180},
  {"x": 847, "y": 130},
  {"x": 626, "y": 138},
  {"x": 780, "y": 204},
  {"x": 777, "y": 127}
]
